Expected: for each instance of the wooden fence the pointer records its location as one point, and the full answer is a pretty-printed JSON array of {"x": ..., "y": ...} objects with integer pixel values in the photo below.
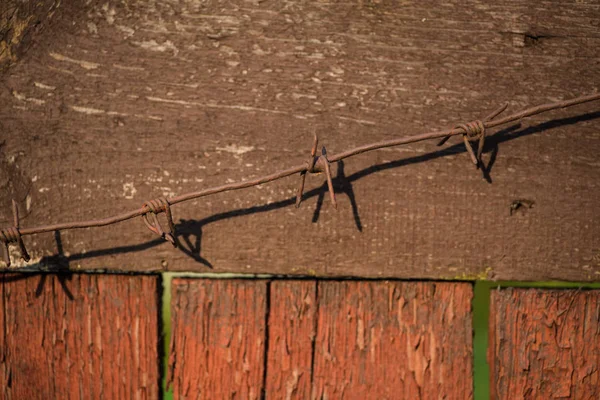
[
  {"x": 99, "y": 336},
  {"x": 107, "y": 104}
]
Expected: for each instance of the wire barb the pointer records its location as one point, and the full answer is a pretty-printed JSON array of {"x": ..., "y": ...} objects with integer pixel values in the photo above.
[
  {"x": 13, "y": 235},
  {"x": 475, "y": 130},
  {"x": 151, "y": 209},
  {"x": 316, "y": 165}
]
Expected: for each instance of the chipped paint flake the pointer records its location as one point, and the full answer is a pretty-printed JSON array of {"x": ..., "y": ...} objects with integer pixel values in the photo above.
[
  {"x": 214, "y": 105},
  {"x": 87, "y": 110},
  {"x": 81, "y": 63},
  {"x": 109, "y": 13},
  {"x": 129, "y": 190},
  {"x": 153, "y": 45},
  {"x": 22, "y": 97},
  {"x": 43, "y": 86},
  {"x": 128, "y": 68},
  {"x": 92, "y": 28},
  {"x": 232, "y": 148},
  {"x": 126, "y": 30}
]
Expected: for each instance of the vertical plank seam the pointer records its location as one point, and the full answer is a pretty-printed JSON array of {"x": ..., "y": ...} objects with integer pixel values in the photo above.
[
  {"x": 314, "y": 337},
  {"x": 162, "y": 353},
  {"x": 3, "y": 354},
  {"x": 266, "y": 349}
]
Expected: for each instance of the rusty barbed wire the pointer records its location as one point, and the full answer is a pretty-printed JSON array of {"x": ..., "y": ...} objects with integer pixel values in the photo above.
[{"x": 470, "y": 131}]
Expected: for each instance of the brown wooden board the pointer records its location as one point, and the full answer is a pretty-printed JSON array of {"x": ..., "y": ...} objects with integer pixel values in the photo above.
[
  {"x": 389, "y": 340},
  {"x": 544, "y": 344},
  {"x": 292, "y": 331},
  {"x": 217, "y": 338},
  {"x": 342, "y": 340},
  {"x": 128, "y": 101},
  {"x": 79, "y": 337}
]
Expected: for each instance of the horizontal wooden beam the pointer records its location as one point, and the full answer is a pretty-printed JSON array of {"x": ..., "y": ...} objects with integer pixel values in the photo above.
[{"x": 124, "y": 104}]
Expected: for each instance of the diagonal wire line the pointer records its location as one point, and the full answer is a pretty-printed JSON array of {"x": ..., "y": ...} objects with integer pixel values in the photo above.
[{"x": 470, "y": 130}]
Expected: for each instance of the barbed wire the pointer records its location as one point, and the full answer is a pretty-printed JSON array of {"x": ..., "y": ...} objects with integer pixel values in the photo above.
[{"x": 470, "y": 131}]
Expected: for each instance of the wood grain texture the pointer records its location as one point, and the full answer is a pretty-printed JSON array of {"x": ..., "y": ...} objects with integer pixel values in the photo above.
[
  {"x": 544, "y": 344},
  {"x": 218, "y": 338},
  {"x": 79, "y": 337},
  {"x": 389, "y": 340},
  {"x": 131, "y": 100},
  {"x": 292, "y": 330}
]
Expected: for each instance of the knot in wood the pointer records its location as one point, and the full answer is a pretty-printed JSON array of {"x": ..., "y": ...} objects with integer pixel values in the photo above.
[{"x": 155, "y": 207}]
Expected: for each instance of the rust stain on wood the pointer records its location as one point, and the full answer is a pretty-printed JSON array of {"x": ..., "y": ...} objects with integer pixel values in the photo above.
[
  {"x": 544, "y": 344},
  {"x": 79, "y": 336},
  {"x": 292, "y": 323},
  {"x": 218, "y": 338},
  {"x": 385, "y": 339}
]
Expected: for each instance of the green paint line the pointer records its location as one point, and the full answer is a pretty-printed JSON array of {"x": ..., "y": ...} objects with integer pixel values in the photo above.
[
  {"x": 167, "y": 393},
  {"x": 481, "y": 315},
  {"x": 480, "y": 308}
]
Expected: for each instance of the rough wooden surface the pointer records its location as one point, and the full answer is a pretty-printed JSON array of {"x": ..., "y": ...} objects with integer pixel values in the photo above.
[
  {"x": 292, "y": 330},
  {"x": 130, "y": 100},
  {"x": 382, "y": 340},
  {"x": 218, "y": 338},
  {"x": 544, "y": 344},
  {"x": 336, "y": 340},
  {"x": 78, "y": 337}
]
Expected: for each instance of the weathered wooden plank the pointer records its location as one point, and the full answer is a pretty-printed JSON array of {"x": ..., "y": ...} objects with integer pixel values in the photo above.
[
  {"x": 79, "y": 336},
  {"x": 218, "y": 338},
  {"x": 292, "y": 324},
  {"x": 544, "y": 344},
  {"x": 129, "y": 101},
  {"x": 381, "y": 340}
]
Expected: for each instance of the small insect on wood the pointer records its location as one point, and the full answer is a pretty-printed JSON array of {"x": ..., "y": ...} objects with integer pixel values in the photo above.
[{"x": 520, "y": 204}]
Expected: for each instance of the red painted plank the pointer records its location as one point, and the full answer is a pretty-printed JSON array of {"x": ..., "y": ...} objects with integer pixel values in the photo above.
[
  {"x": 85, "y": 337},
  {"x": 390, "y": 340},
  {"x": 544, "y": 344},
  {"x": 218, "y": 338},
  {"x": 292, "y": 323}
]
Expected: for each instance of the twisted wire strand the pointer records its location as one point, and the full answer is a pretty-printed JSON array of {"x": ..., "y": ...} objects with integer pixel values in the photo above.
[{"x": 152, "y": 208}]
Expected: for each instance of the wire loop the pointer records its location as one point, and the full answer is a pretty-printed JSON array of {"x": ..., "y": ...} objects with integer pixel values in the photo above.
[
  {"x": 13, "y": 235},
  {"x": 154, "y": 208},
  {"x": 475, "y": 130}
]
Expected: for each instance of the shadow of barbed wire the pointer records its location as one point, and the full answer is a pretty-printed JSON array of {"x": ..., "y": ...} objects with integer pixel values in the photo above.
[
  {"x": 60, "y": 262},
  {"x": 341, "y": 184},
  {"x": 58, "y": 265},
  {"x": 189, "y": 232}
]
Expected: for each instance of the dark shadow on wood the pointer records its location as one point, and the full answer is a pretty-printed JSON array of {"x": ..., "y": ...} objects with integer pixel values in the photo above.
[
  {"x": 60, "y": 262},
  {"x": 342, "y": 184},
  {"x": 186, "y": 229}
]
